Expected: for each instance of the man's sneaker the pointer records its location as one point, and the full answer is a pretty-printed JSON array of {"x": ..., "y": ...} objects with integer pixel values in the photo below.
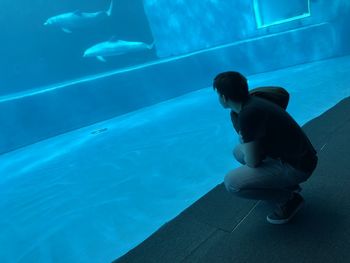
[{"x": 285, "y": 212}]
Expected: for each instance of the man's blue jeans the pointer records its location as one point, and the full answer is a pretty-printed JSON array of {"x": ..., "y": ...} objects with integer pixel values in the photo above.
[{"x": 269, "y": 181}]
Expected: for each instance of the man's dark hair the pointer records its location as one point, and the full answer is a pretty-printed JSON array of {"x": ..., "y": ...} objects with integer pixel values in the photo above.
[{"x": 233, "y": 85}]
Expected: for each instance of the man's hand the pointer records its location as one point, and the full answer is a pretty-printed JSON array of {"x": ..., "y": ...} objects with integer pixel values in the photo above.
[
  {"x": 252, "y": 153},
  {"x": 234, "y": 119}
]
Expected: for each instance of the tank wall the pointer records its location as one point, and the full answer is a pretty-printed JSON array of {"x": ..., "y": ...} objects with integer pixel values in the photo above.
[
  {"x": 31, "y": 117},
  {"x": 180, "y": 27},
  {"x": 33, "y": 55}
]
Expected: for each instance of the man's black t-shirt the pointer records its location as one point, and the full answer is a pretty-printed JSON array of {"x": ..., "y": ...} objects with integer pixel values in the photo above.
[{"x": 280, "y": 135}]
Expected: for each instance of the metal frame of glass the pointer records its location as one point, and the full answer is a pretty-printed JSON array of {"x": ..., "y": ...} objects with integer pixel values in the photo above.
[{"x": 260, "y": 24}]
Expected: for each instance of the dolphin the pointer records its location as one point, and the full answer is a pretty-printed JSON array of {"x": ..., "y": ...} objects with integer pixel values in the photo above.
[
  {"x": 72, "y": 20},
  {"x": 115, "y": 47}
]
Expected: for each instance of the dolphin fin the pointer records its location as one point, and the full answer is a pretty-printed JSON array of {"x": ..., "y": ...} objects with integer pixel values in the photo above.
[
  {"x": 150, "y": 46},
  {"x": 66, "y": 30},
  {"x": 100, "y": 58},
  {"x": 109, "y": 11}
]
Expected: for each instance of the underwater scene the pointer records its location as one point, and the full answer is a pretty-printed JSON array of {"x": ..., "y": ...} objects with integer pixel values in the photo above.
[{"x": 110, "y": 126}]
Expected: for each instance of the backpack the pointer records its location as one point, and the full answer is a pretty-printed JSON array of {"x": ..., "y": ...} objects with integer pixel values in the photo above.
[{"x": 277, "y": 95}]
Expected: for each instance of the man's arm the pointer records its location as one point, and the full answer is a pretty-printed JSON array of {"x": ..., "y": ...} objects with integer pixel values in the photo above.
[
  {"x": 252, "y": 156},
  {"x": 252, "y": 152}
]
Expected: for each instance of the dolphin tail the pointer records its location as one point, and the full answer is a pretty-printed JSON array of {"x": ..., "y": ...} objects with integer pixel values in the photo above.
[{"x": 109, "y": 11}]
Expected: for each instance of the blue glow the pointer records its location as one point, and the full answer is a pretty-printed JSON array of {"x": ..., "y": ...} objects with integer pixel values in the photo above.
[{"x": 97, "y": 177}]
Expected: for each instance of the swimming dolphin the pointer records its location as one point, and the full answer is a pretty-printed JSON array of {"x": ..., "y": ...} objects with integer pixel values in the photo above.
[
  {"x": 69, "y": 21},
  {"x": 115, "y": 47}
]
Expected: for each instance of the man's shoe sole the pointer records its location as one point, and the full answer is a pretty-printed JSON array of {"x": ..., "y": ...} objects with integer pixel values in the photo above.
[{"x": 286, "y": 220}]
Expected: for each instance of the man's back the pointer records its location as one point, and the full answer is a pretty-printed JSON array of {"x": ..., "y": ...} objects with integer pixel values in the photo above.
[{"x": 280, "y": 135}]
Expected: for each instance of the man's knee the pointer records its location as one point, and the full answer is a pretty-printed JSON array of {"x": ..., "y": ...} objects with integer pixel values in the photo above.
[{"x": 230, "y": 184}]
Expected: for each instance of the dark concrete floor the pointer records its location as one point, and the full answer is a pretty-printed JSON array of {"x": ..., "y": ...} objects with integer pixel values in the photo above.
[{"x": 223, "y": 228}]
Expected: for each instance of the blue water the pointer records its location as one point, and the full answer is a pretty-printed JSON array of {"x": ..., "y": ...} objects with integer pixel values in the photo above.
[
  {"x": 93, "y": 193},
  {"x": 33, "y": 55}
]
